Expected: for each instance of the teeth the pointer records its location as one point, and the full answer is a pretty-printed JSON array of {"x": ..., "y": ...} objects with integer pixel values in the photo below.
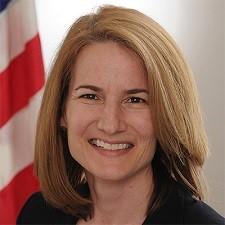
[{"x": 108, "y": 146}]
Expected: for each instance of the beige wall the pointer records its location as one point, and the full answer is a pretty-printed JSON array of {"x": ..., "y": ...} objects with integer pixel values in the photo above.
[{"x": 201, "y": 36}]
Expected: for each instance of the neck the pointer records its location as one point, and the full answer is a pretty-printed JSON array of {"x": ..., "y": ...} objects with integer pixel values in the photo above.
[{"x": 121, "y": 202}]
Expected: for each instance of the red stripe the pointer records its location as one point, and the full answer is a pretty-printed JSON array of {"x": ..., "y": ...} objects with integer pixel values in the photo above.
[
  {"x": 21, "y": 80},
  {"x": 14, "y": 195}
]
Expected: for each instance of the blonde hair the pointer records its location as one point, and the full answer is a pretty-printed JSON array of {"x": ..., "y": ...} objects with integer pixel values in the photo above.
[{"x": 182, "y": 144}]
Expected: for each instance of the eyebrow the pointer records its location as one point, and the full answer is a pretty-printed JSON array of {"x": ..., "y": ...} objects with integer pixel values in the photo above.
[{"x": 98, "y": 89}]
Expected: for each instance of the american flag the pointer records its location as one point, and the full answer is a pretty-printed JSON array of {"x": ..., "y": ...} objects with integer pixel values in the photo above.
[{"x": 21, "y": 85}]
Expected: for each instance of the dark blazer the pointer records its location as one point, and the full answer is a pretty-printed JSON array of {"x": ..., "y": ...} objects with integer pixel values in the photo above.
[{"x": 180, "y": 208}]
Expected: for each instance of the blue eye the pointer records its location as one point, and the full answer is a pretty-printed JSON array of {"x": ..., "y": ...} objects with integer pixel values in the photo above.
[
  {"x": 89, "y": 96},
  {"x": 136, "y": 100}
]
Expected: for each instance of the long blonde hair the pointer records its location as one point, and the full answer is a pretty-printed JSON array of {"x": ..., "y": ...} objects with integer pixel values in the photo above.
[{"x": 182, "y": 144}]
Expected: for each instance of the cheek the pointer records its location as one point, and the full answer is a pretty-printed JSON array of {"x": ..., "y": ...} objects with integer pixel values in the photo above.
[
  {"x": 143, "y": 125},
  {"x": 78, "y": 118}
]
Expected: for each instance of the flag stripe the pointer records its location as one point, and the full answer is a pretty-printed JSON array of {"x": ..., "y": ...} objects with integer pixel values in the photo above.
[
  {"x": 17, "y": 139},
  {"x": 17, "y": 26},
  {"x": 3, "y": 4},
  {"x": 21, "y": 80},
  {"x": 23, "y": 183}
]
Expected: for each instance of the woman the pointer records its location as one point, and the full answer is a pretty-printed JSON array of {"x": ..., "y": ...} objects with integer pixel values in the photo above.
[{"x": 120, "y": 138}]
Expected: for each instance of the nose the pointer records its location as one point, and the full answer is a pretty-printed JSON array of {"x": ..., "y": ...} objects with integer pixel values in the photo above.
[{"x": 111, "y": 120}]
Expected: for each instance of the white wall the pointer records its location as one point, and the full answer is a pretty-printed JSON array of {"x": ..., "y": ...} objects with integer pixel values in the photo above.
[{"x": 198, "y": 27}]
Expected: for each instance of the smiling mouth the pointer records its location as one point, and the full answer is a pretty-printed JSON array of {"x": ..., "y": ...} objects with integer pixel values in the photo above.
[{"x": 107, "y": 146}]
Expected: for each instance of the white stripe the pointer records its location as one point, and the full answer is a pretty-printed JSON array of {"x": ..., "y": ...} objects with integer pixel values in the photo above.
[
  {"x": 17, "y": 26},
  {"x": 17, "y": 141}
]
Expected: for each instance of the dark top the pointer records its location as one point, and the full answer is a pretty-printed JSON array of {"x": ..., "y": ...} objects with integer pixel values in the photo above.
[{"x": 180, "y": 208}]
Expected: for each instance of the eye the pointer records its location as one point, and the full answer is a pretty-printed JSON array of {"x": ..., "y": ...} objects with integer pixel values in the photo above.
[
  {"x": 136, "y": 100},
  {"x": 89, "y": 96}
]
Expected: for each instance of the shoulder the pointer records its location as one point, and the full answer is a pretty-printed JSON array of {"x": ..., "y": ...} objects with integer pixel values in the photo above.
[
  {"x": 181, "y": 207},
  {"x": 198, "y": 212},
  {"x": 37, "y": 211}
]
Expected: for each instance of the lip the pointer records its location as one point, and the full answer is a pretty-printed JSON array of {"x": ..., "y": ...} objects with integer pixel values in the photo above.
[
  {"x": 110, "y": 153},
  {"x": 112, "y": 142}
]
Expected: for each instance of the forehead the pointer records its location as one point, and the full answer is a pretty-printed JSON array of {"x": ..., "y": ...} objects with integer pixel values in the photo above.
[{"x": 109, "y": 62}]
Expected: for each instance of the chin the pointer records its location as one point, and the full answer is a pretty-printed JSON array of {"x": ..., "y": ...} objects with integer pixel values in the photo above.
[
  {"x": 114, "y": 174},
  {"x": 107, "y": 174}
]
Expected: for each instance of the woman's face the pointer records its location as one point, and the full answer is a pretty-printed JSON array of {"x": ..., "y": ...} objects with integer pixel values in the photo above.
[{"x": 108, "y": 117}]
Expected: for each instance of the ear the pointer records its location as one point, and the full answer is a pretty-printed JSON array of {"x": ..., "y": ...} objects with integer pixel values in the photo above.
[{"x": 63, "y": 122}]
